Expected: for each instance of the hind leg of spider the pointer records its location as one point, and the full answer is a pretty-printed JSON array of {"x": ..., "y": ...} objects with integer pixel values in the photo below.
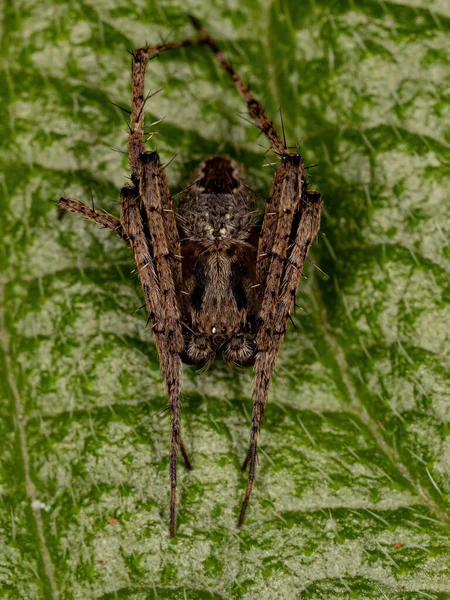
[{"x": 264, "y": 366}]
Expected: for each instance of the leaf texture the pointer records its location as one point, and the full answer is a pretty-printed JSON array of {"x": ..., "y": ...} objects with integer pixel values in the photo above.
[{"x": 353, "y": 481}]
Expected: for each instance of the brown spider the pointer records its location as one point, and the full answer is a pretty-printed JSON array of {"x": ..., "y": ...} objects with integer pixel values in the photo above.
[{"x": 215, "y": 280}]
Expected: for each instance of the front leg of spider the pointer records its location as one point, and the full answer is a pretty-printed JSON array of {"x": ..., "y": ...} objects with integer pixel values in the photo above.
[{"x": 160, "y": 242}]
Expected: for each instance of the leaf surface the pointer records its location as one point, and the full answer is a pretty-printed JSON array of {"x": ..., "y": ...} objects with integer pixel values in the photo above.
[{"x": 352, "y": 491}]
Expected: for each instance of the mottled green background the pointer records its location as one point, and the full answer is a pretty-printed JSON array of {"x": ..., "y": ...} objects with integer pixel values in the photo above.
[{"x": 352, "y": 494}]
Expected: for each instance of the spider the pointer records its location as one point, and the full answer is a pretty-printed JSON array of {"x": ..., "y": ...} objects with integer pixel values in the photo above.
[{"x": 216, "y": 280}]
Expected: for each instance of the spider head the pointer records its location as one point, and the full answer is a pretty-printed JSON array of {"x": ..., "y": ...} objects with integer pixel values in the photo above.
[{"x": 221, "y": 223}]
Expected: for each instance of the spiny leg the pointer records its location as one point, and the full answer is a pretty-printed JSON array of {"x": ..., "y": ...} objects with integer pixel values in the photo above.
[
  {"x": 152, "y": 178},
  {"x": 104, "y": 219},
  {"x": 254, "y": 107},
  {"x": 157, "y": 214},
  {"x": 298, "y": 220},
  {"x": 276, "y": 236},
  {"x": 277, "y": 224},
  {"x": 306, "y": 231},
  {"x": 272, "y": 250},
  {"x": 264, "y": 365},
  {"x": 171, "y": 229},
  {"x": 173, "y": 377},
  {"x": 136, "y": 132},
  {"x": 170, "y": 362},
  {"x": 142, "y": 203},
  {"x": 153, "y": 188},
  {"x": 139, "y": 68}
]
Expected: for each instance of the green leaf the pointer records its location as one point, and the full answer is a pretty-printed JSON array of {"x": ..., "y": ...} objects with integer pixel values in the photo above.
[{"x": 353, "y": 482}]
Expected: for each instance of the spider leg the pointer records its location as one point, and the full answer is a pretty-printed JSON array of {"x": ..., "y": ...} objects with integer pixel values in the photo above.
[
  {"x": 105, "y": 219},
  {"x": 152, "y": 189},
  {"x": 150, "y": 175},
  {"x": 139, "y": 68},
  {"x": 146, "y": 266},
  {"x": 157, "y": 255},
  {"x": 264, "y": 365},
  {"x": 255, "y": 109},
  {"x": 286, "y": 246}
]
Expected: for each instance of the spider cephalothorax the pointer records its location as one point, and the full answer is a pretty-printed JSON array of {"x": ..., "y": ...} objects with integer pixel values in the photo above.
[
  {"x": 215, "y": 276},
  {"x": 219, "y": 299}
]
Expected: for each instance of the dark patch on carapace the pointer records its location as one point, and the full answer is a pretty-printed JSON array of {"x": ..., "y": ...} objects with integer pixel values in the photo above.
[
  {"x": 200, "y": 285},
  {"x": 237, "y": 287},
  {"x": 218, "y": 176}
]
